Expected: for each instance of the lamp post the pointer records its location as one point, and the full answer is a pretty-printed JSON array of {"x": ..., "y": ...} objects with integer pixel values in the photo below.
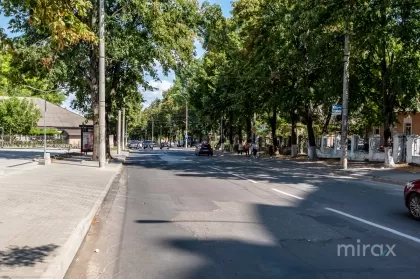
[{"x": 45, "y": 114}]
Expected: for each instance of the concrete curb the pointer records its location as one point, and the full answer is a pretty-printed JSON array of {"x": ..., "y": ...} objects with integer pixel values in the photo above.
[{"x": 61, "y": 262}]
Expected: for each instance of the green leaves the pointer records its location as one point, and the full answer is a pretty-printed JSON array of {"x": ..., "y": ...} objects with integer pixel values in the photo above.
[{"x": 18, "y": 115}]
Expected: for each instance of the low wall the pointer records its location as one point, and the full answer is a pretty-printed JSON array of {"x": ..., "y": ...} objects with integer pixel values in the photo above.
[{"x": 416, "y": 160}]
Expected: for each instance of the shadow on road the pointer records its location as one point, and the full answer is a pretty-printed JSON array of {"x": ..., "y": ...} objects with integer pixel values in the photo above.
[
  {"x": 296, "y": 241},
  {"x": 25, "y": 256}
]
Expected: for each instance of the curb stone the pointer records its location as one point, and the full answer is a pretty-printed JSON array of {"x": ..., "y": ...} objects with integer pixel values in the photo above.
[{"x": 61, "y": 262}]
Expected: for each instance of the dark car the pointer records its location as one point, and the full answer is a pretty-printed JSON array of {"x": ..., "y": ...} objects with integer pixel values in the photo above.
[
  {"x": 164, "y": 144},
  {"x": 412, "y": 198},
  {"x": 204, "y": 148}
]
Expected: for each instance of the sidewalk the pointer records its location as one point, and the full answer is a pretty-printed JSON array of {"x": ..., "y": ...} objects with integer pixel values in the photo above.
[
  {"x": 370, "y": 171},
  {"x": 45, "y": 212}
]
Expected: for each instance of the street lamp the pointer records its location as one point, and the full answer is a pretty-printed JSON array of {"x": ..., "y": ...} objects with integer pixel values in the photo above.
[
  {"x": 186, "y": 117},
  {"x": 45, "y": 114}
]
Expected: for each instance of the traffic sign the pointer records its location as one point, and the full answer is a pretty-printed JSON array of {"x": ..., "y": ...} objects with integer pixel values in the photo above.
[{"x": 337, "y": 110}]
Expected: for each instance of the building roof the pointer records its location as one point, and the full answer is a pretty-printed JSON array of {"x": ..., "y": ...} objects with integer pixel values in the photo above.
[
  {"x": 56, "y": 116},
  {"x": 73, "y": 132}
]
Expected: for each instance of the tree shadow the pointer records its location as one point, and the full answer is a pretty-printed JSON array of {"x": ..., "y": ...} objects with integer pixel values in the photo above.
[
  {"x": 289, "y": 241},
  {"x": 25, "y": 256}
]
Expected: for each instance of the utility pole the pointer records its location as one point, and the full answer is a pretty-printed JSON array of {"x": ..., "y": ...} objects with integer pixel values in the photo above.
[
  {"x": 102, "y": 133},
  {"x": 344, "y": 118},
  {"x": 123, "y": 130},
  {"x": 186, "y": 123},
  {"x": 119, "y": 132},
  {"x": 160, "y": 134}
]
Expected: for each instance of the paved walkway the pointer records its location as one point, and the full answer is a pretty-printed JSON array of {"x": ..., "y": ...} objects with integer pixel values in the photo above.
[{"x": 45, "y": 213}]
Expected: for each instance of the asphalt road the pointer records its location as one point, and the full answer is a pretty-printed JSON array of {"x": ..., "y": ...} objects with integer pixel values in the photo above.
[{"x": 175, "y": 215}]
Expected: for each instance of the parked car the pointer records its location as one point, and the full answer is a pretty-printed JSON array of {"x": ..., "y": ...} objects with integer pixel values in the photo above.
[
  {"x": 164, "y": 144},
  {"x": 412, "y": 198},
  {"x": 148, "y": 144},
  {"x": 139, "y": 145},
  {"x": 204, "y": 148}
]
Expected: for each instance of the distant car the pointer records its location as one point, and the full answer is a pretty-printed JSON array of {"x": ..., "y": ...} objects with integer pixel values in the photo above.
[
  {"x": 139, "y": 145},
  {"x": 412, "y": 198},
  {"x": 133, "y": 144},
  {"x": 164, "y": 144},
  {"x": 204, "y": 148},
  {"x": 148, "y": 144}
]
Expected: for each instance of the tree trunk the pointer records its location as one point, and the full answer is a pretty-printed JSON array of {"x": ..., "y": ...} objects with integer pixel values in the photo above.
[
  {"x": 231, "y": 130},
  {"x": 387, "y": 108},
  {"x": 327, "y": 122},
  {"x": 311, "y": 139},
  {"x": 108, "y": 133},
  {"x": 240, "y": 133},
  {"x": 248, "y": 128},
  {"x": 274, "y": 128},
  {"x": 293, "y": 136}
]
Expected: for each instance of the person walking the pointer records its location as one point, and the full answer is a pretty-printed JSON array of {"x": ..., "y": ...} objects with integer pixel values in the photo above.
[{"x": 240, "y": 148}]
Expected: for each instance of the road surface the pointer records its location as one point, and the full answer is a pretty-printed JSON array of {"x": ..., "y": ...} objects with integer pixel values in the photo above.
[{"x": 175, "y": 215}]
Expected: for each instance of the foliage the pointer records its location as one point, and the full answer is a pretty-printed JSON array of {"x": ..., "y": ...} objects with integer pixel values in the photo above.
[
  {"x": 60, "y": 20},
  {"x": 39, "y": 132},
  {"x": 18, "y": 115}
]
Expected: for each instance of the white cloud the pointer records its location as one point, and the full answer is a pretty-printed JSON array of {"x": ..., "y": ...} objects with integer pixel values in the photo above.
[{"x": 160, "y": 87}]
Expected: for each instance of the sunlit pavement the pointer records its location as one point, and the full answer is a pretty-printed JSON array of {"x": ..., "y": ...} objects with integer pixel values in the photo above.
[{"x": 183, "y": 216}]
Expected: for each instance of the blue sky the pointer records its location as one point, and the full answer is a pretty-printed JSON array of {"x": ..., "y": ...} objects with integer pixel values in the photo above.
[{"x": 165, "y": 81}]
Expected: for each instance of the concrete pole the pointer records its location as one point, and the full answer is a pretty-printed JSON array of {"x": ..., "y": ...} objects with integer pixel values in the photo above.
[
  {"x": 345, "y": 112},
  {"x": 123, "y": 130},
  {"x": 119, "y": 133},
  {"x": 45, "y": 126},
  {"x": 102, "y": 133}
]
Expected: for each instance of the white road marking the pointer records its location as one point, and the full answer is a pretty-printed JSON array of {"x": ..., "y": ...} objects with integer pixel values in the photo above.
[
  {"x": 215, "y": 168},
  {"x": 287, "y": 194},
  {"x": 237, "y": 175},
  {"x": 415, "y": 239}
]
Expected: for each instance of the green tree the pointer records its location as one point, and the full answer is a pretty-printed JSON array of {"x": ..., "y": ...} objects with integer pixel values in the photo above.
[{"x": 18, "y": 115}]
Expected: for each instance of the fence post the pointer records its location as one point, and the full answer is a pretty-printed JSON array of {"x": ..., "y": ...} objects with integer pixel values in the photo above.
[{"x": 397, "y": 147}]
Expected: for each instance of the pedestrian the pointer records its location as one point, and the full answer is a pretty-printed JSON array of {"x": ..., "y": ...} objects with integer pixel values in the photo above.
[
  {"x": 240, "y": 148},
  {"x": 255, "y": 151}
]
